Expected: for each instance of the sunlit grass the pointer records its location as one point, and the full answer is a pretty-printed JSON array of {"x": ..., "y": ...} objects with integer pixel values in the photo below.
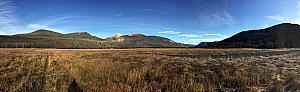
[{"x": 182, "y": 70}]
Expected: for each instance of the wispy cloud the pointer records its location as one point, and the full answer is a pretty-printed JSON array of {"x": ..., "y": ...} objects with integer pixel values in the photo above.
[
  {"x": 157, "y": 11},
  {"x": 56, "y": 20},
  {"x": 8, "y": 19},
  {"x": 148, "y": 10},
  {"x": 207, "y": 39},
  {"x": 210, "y": 16},
  {"x": 196, "y": 38},
  {"x": 129, "y": 19},
  {"x": 51, "y": 22},
  {"x": 276, "y": 17},
  {"x": 213, "y": 18},
  {"x": 212, "y": 34},
  {"x": 120, "y": 14},
  {"x": 298, "y": 5},
  {"x": 297, "y": 18},
  {"x": 190, "y": 35},
  {"x": 169, "y": 32}
]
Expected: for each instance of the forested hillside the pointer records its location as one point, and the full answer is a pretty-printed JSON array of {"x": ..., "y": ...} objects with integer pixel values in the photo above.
[
  {"x": 284, "y": 35},
  {"x": 50, "y": 39}
]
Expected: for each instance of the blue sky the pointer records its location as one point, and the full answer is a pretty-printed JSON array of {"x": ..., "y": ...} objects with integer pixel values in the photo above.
[{"x": 185, "y": 21}]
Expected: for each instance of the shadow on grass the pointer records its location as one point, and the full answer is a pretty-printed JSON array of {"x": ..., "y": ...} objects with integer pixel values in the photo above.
[{"x": 74, "y": 87}]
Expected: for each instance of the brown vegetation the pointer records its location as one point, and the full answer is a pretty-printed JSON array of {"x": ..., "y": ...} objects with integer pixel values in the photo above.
[{"x": 181, "y": 70}]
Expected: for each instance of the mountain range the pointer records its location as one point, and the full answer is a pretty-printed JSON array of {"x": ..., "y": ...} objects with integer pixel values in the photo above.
[
  {"x": 285, "y": 35},
  {"x": 49, "y": 39}
]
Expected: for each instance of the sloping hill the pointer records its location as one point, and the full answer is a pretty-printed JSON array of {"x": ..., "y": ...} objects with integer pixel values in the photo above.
[
  {"x": 23, "y": 42},
  {"x": 83, "y": 35},
  {"x": 41, "y": 34},
  {"x": 284, "y": 35},
  {"x": 55, "y": 35},
  {"x": 50, "y": 39},
  {"x": 140, "y": 40}
]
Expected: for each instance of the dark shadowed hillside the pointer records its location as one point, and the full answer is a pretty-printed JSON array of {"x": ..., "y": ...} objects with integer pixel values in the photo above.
[
  {"x": 284, "y": 35},
  {"x": 50, "y": 39}
]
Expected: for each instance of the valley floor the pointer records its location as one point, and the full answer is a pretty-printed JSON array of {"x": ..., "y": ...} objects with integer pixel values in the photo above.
[{"x": 119, "y": 70}]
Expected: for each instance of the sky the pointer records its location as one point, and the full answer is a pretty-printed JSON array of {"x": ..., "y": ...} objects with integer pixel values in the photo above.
[{"x": 184, "y": 21}]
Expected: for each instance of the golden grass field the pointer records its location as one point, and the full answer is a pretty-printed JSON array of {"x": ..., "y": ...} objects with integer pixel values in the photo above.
[{"x": 151, "y": 70}]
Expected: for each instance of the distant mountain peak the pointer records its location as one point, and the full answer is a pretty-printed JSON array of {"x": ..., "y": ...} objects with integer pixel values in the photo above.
[
  {"x": 44, "y": 31},
  {"x": 50, "y": 39},
  {"x": 285, "y": 24},
  {"x": 41, "y": 30},
  {"x": 136, "y": 34},
  {"x": 285, "y": 27},
  {"x": 117, "y": 35}
]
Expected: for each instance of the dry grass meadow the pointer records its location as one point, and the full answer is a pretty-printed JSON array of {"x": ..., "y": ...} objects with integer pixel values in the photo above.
[{"x": 150, "y": 70}]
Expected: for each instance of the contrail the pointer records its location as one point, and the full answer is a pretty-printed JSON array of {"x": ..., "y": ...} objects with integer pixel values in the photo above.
[{"x": 8, "y": 17}]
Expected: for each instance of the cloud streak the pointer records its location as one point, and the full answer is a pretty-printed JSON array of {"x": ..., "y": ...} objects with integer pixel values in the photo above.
[
  {"x": 212, "y": 34},
  {"x": 169, "y": 32},
  {"x": 131, "y": 18},
  {"x": 196, "y": 38},
  {"x": 207, "y": 39},
  {"x": 297, "y": 19},
  {"x": 280, "y": 19},
  {"x": 120, "y": 14},
  {"x": 8, "y": 19},
  {"x": 56, "y": 20},
  {"x": 276, "y": 17},
  {"x": 50, "y": 23},
  {"x": 190, "y": 35},
  {"x": 210, "y": 16}
]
